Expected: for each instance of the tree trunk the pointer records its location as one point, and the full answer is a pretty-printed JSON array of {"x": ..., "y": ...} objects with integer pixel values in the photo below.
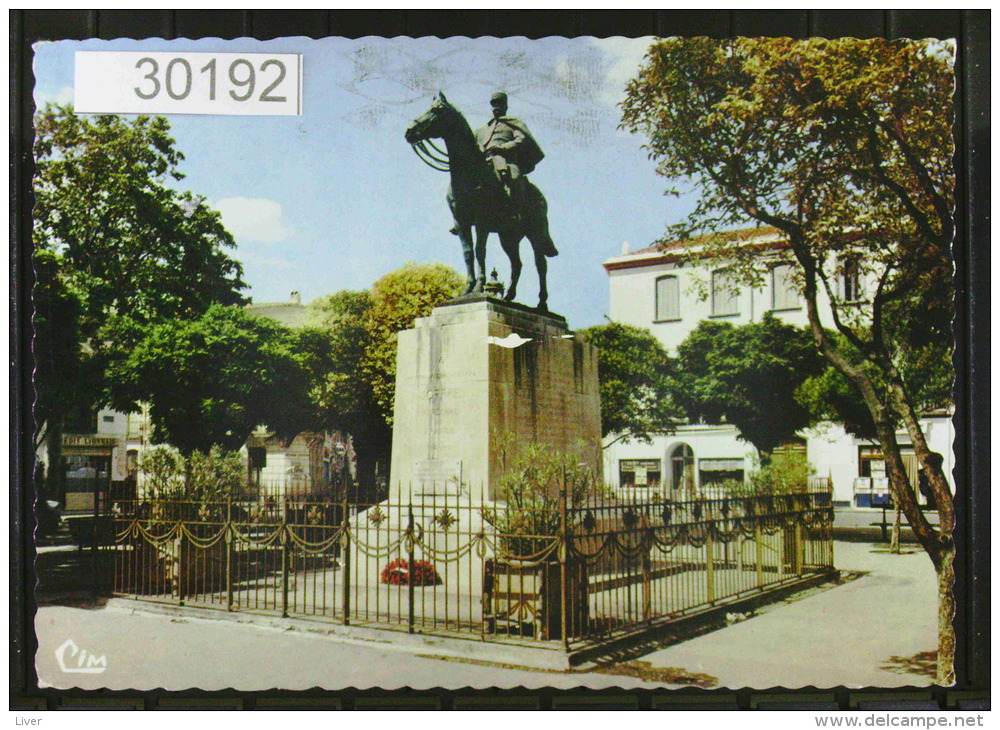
[
  {"x": 371, "y": 451},
  {"x": 946, "y": 616},
  {"x": 937, "y": 543},
  {"x": 894, "y": 541}
]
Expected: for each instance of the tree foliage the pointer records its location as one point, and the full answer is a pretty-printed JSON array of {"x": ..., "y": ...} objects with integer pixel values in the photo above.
[
  {"x": 201, "y": 476},
  {"x": 134, "y": 246},
  {"x": 63, "y": 376},
  {"x": 397, "y": 299},
  {"x": 333, "y": 348},
  {"x": 341, "y": 397},
  {"x": 844, "y": 147},
  {"x": 350, "y": 352},
  {"x": 117, "y": 248},
  {"x": 634, "y": 372},
  {"x": 747, "y": 376},
  {"x": 211, "y": 381}
]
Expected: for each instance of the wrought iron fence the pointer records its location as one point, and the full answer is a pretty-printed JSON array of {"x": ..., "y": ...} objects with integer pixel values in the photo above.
[{"x": 433, "y": 563}]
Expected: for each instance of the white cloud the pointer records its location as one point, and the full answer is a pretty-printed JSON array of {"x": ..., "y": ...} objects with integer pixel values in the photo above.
[
  {"x": 623, "y": 56},
  {"x": 63, "y": 96},
  {"x": 253, "y": 219}
]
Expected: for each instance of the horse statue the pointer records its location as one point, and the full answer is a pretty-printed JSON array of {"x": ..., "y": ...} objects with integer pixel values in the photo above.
[{"x": 477, "y": 199}]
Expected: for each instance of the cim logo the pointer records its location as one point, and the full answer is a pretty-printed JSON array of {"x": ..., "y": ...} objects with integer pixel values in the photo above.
[{"x": 73, "y": 659}]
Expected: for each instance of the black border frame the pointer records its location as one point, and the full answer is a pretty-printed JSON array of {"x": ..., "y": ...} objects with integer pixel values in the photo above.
[{"x": 971, "y": 29}]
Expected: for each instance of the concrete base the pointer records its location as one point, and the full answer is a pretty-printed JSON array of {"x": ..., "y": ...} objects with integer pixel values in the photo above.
[{"x": 479, "y": 377}]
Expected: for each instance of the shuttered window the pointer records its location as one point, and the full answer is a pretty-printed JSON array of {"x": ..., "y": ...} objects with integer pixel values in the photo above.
[
  {"x": 784, "y": 293},
  {"x": 668, "y": 304},
  {"x": 725, "y": 297}
]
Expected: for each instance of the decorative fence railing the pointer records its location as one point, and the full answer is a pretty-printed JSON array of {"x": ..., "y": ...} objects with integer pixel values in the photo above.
[{"x": 576, "y": 574}]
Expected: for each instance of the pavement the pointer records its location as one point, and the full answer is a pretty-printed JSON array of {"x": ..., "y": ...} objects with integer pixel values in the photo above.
[
  {"x": 876, "y": 627},
  {"x": 873, "y": 525}
]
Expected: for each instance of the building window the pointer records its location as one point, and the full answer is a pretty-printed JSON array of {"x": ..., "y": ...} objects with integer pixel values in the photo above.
[
  {"x": 108, "y": 419},
  {"x": 713, "y": 471},
  {"x": 725, "y": 297},
  {"x": 682, "y": 471},
  {"x": 784, "y": 293},
  {"x": 668, "y": 301},
  {"x": 871, "y": 488},
  {"x": 639, "y": 473},
  {"x": 850, "y": 280}
]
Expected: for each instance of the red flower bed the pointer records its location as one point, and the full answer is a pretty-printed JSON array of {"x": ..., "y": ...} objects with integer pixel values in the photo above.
[{"x": 397, "y": 573}]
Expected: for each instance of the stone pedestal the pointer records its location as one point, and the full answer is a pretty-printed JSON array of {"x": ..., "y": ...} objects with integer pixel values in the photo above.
[{"x": 479, "y": 373}]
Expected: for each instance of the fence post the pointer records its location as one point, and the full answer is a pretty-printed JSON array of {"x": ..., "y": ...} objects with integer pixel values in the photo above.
[
  {"x": 345, "y": 565},
  {"x": 411, "y": 573},
  {"x": 563, "y": 557},
  {"x": 710, "y": 565},
  {"x": 799, "y": 549},
  {"x": 228, "y": 538},
  {"x": 93, "y": 540},
  {"x": 759, "y": 540},
  {"x": 647, "y": 592},
  {"x": 284, "y": 559}
]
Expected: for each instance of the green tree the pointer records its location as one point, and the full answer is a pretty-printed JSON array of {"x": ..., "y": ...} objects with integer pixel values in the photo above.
[
  {"x": 397, "y": 299},
  {"x": 844, "y": 147},
  {"x": 133, "y": 246},
  {"x": 829, "y": 396},
  {"x": 350, "y": 352},
  {"x": 211, "y": 381},
  {"x": 634, "y": 372},
  {"x": 60, "y": 367},
  {"x": 201, "y": 476},
  {"x": 747, "y": 376},
  {"x": 342, "y": 398},
  {"x": 117, "y": 248}
]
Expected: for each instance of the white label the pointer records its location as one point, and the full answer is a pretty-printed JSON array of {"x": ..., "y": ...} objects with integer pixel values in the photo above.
[
  {"x": 440, "y": 476},
  {"x": 120, "y": 82}
]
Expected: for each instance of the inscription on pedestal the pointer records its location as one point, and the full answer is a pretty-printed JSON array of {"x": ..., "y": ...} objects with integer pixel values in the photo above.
[{"x": 437, "y": 476}]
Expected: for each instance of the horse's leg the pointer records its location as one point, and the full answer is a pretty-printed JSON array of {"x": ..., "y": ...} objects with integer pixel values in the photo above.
[
  {"x": 481, "y": 235},
  {"x": 543, "y": 267},
  {"x": 511, "y": 244},
  {"x": 465, "y": 236}
]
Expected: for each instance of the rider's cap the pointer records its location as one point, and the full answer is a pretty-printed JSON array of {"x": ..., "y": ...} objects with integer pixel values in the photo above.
[{"x": 498, "y": 96}]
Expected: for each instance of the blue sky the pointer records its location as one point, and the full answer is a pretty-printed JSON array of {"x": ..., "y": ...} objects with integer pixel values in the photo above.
[{"x": 334, "y": 198}]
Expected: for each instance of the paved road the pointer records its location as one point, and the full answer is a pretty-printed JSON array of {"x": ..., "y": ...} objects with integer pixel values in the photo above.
[
  {"x": 872, "y": 630},
  {"x": 866, "y": 524}
]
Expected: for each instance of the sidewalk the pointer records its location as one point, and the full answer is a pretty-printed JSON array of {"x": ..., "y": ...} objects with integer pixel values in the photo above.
[{"x": 869, "y": 631}]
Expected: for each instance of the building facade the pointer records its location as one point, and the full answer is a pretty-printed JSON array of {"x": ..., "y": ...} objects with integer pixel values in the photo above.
[{"x": 668, "y": 289}]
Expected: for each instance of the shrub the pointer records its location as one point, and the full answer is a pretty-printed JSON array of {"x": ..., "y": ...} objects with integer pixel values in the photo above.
[
  {"x": 397, "y": 573},
  {"x": 785, "y": 474},
  {"x": 530, "y": 483}
]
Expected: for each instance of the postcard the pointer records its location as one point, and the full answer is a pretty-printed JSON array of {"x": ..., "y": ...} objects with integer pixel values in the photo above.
[{"x": 494, "y": 362}]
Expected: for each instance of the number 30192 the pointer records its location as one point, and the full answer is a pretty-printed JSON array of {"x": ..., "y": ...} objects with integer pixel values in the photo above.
[
  {"x": 176, "y": 79},
  {"x": 184, "y": 82}
]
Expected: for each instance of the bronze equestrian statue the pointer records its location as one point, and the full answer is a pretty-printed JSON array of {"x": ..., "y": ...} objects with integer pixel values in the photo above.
[{"x": 489, "y": 189}]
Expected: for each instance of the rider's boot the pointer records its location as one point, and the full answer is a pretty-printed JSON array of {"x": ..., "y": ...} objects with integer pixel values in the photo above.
[{"x": 513, "y": 202}]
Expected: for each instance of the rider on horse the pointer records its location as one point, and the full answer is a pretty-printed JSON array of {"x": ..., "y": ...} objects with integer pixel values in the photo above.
[{"x": 510, "y": 149}]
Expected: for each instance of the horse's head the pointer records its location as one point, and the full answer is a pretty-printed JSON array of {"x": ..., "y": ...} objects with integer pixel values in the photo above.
[{"x": 433, "y": 123}]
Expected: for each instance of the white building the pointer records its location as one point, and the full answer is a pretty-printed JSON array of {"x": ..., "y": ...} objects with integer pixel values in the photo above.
[{"x": 666, "y": 290}]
